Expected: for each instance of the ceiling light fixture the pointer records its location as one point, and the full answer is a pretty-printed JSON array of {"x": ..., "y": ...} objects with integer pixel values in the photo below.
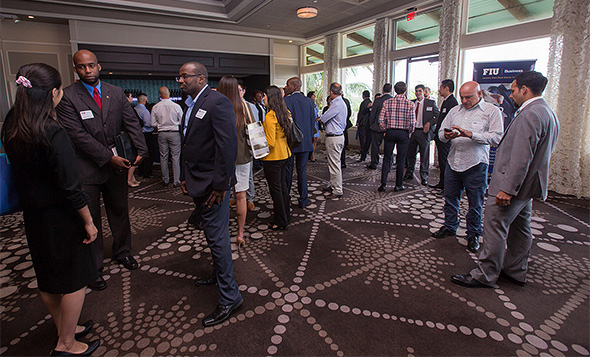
[
  {"x": 31, "y": 17},
  {"x": 308, "y": 12}
]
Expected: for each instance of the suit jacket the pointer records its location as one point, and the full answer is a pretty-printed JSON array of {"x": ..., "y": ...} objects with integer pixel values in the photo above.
[
  {"x": 95, "y": 135},
  {"x": 303, "y": 114},
  {"x": 209, "y": 146},
  {"x": 376, "y": 110},
  {"x": 430, "y": 114},
  {"x": 445, "y": 108},
  {"x": 521, "y": 168},
  {"x": 362, "y": 118}
]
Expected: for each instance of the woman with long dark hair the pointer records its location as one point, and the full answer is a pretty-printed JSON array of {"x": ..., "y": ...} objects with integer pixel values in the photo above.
[
  {"x": 277, "y": 124},
  {"x": 58, "y": 224},
  {"x": 228, "y": 86}
]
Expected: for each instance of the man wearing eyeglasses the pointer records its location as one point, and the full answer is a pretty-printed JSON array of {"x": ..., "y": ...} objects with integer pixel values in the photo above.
[{"x": 209, "y": 148}]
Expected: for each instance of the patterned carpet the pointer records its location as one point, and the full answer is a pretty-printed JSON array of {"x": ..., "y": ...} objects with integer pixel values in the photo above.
[{"x": 358, "y": 276}]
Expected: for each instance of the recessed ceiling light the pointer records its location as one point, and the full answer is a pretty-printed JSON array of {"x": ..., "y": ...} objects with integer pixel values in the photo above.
[
  {"x": 290, "y": 41},
  {"x": 31, "y": 17},
  {"x": 110, "y": 72},
  {"x": 149, "y": 74},
  {"x": 307, "y": 12}
]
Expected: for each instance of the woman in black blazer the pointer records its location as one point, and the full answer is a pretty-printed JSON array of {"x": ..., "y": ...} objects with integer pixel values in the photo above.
[{"x": 58, "y": 224}]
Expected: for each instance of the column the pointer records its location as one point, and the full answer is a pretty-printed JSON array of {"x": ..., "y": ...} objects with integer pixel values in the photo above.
[{"x": 380, "y": 50}]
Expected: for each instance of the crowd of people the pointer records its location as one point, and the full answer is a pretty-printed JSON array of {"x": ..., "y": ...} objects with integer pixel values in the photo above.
[{"x": 61, "y": 144}]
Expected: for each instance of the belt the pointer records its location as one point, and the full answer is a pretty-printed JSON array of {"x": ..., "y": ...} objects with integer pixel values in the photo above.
[
  {"x": 334, "y": 134},
  {"x": 419, "y": 129},
  {"x": 168, "y": 131}
]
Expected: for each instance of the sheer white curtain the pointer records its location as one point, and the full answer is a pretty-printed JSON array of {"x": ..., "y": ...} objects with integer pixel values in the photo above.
[{"x": 568, "y": 93}]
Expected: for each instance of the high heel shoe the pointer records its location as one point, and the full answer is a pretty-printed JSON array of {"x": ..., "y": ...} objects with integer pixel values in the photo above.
[
  {"x": 275, "y": 227},
  {"x": 92, "y": 346}
]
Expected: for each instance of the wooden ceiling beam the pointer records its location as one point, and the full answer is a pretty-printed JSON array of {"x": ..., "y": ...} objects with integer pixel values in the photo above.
[
  {"x": 360, "y": 39},
  {"x": 315, "y": 54},
  {"x": 515, "y": 8}
]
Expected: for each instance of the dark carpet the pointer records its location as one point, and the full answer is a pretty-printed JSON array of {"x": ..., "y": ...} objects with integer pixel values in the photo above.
[{"x": 357, "y": 276}]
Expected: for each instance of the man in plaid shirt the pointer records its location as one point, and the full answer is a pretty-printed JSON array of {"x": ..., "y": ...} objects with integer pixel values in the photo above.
[{"x": 398, "y": 119}]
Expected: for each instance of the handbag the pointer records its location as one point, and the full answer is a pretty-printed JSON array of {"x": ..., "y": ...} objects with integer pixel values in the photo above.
[
  {"x": 295, "y": 137},
  {"x": 256, "y": 139},
  {"x": 124, "y": 147},
  {"x": 9, "y": 202}
]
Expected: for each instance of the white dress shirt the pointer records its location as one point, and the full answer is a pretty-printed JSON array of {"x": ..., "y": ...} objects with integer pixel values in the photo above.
[
  {"x": 420, "y": 115},
  {"x": 484, "y": 120},
  {"x": 166, "y": 115}
]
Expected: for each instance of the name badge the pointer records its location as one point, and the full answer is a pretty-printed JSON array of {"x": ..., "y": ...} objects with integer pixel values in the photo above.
[
  {"x": 86, "y": 114},
  {"x": 201, "y": 114},
  {"x": 444, "y": 110},
  {"x": 428, "y": 109}
]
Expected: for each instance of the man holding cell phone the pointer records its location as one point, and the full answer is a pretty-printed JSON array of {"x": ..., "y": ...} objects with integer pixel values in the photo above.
[{"x": 470, "y": 128}]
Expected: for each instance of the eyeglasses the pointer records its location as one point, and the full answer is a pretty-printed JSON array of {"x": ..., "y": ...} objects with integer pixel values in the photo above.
[{"x": 185, "y": 76}]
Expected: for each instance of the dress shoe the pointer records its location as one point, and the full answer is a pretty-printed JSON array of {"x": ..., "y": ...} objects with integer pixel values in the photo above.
[
  {"x": 511, "y": 279},
  {"x": 221, "y": 313},
  {"x": 468, "y": 281},
  {"x": 210, "y": 280},
  {"x": 87, "y": 327},
  {"x": 372, "y": 167},
  {"x": 92, "y": 346},
  {"x": 399, "y": 188},
  {"x": 128, "y": 262},
  {"x": 303, "y": 205},
  {"x": 408, "y": 177},
  {"x": 473, "y": 244},
  {"x": 424, "y": 182},
  {"x": 381, "y": 188},
  {"x": 439, "y": 186},
  {"x": 98, "y": 284},
  {"x": 251, "y": 206},
  {"x": 333, "y": 196},
  {"x": 443, "y": 232}
]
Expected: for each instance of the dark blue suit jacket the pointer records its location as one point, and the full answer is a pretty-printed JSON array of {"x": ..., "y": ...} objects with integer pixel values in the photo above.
[
  {"x": 209, "y": 148},
  {"x": 303, "y": 114}
]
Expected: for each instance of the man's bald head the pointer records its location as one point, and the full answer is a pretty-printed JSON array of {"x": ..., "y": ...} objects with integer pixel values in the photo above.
[
  {"x": 87, "y": 67},
  {"x": 293, "y": 85},
  {"x": 164, "y": 92},
  {"x": 470, "y": 94},
  {"x": 83, "y": 54}
]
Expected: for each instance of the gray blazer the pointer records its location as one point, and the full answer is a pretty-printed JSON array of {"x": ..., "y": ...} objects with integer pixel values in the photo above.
[{"x": 521, "y": 168}]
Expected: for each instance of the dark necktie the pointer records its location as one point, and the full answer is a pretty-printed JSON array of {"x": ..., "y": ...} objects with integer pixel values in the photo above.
[
  {"x": 417, "y": 108},
  {"x": 97, "y": 98}
]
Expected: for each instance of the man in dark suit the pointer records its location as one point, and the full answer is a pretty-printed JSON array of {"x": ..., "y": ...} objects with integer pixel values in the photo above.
[
  {"x": 303, "y": 113},
  {"x": 426, "y": 114},
  {"x": 447, "y": 87},
  {"x": 348, "y": 126},
  {"x": 209, "y": 149},
  {"x": 376, "y": 133},
  {"x": 94, "y": 113},
  {"x": 362, "y": 122}
]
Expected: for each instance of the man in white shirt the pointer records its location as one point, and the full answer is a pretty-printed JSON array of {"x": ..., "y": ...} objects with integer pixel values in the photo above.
[
  {"x": 166, "y": 116},
  {"x": 471, "y": 128}
]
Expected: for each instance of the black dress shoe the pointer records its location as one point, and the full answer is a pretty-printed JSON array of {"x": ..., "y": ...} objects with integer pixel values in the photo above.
[
  {"x": 333, "y": 196},
  {"x": 220, "y": 314},
  {"x": 210, "y": 280},
  {"x": 473, "y": 244},
  {"x": 468, "y": 281},
  {"x": 92, "y": 346},
  {"x": 381, "y": 188},
  {"x": 128, "y": 262},
  {"x": 399, "y": 188},
  {"x": 87, "y": 327},
  {"x": 439, "y": 186},
  {"x": 371, "y": 167},
  {"x": 424, "y": 182},
  {"x": 408, "y": 177},
  {"x": 511, "y": 279},
  {"x": 443, "y": 232},
  {"x": 98, "y": 284}
]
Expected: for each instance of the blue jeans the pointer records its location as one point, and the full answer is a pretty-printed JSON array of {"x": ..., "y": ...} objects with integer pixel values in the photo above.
[
  {"x": 474, "y": 181},
  {"x": 393, "y": 137}
]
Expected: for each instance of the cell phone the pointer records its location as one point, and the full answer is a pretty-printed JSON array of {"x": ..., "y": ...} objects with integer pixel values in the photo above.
[{"x": 448, "y": 130}]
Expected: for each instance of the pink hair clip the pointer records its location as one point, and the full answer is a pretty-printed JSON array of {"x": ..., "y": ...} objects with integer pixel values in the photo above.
[{"x": 24, "y": 82}]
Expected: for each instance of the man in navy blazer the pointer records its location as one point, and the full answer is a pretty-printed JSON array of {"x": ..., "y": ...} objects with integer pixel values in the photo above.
[
  {"x": 303, "y": 114},
  {"x": 209, "y": 147}
]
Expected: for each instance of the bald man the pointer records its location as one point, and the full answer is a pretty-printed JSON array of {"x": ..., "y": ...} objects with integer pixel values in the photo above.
[
  {"x": 470, "y": 128},
  {"x": 93, "y": 114},
  {"x": 166, "y": 116}
]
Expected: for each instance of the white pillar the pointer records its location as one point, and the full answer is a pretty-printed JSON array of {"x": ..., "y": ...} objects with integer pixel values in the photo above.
[{"x": 380, "y": 50}]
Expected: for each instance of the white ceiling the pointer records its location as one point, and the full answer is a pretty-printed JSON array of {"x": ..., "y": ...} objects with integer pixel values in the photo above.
[{"x": 275, "y": 18}]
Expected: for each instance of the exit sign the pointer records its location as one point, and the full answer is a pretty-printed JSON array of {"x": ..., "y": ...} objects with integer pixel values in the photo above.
[{"x": 410, "y": 16}]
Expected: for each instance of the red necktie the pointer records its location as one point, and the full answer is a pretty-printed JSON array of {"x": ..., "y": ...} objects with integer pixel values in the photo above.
[
  {"x": 97, "y": 98},
  {"x": 417, "y": 106}
]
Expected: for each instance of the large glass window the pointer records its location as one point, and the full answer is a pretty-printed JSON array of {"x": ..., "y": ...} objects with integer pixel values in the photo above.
[
  {"x": 486, "y": 15},
  {"x": 359, "y": 42},
  {"x": 423, "y": 29},
  {"x": 314, "y": 82},
  {"x": 418, "y": 70},
  {"x": 356, "y": 80},
  {"x": 314, "y": 54}
]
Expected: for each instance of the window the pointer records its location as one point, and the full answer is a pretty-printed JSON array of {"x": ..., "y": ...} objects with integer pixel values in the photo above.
[
  {"x": 314, "y": 54},
  {"x": 486, "y": 15},
  {"x": 356, "y": 80},
  {"x": 424, "y": 29},
  {"x": 359, "y": 42},
  {"x": 418, "y": 70},
  {"x": 315, "y": 82}
]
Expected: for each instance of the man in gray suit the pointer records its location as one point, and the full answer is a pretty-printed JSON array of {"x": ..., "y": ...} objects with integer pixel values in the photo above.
[{"x": 521, "y": 173}]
